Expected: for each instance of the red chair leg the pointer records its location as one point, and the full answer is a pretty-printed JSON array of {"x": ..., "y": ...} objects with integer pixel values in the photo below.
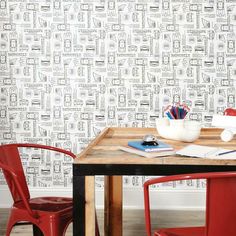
[
  {"x": 9, "y": 229},
  {"x": 10, "y": 224},
  {"x": 57, "y": 229}
]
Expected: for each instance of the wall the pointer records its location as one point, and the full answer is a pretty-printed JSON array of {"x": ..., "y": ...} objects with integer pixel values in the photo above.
[{"x": 69, "y": 68}]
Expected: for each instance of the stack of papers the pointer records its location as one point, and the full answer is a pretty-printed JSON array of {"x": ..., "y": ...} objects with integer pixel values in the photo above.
[
  {"x": 207, "y": 152},
  {"x": 146, "y": 154}
]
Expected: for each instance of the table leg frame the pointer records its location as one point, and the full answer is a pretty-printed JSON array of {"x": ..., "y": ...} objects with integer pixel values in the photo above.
[
  {"x": 81, "y": 171},
  {"x": 79, "y": 205},
  {"x": 113, "y": 206}
]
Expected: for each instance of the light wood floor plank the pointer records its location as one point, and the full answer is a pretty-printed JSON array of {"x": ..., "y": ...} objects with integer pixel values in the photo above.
[{"x": 133, "y": 222}]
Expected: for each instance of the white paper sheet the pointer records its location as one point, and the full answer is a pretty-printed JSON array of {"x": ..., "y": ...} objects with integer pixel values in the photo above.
[{"x": 206, "y": 152}]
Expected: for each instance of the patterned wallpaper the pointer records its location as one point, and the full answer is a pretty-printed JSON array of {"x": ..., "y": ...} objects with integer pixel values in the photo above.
[{"x": 68, "y": 68}]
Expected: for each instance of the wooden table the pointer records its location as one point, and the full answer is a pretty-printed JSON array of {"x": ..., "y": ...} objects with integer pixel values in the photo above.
[{"x": 102, "y": 157}]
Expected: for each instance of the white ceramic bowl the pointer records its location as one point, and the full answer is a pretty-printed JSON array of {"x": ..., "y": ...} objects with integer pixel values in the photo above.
[{"x": 180, "y": 130}]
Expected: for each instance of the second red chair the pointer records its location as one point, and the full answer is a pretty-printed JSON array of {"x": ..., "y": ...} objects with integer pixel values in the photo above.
[{"x": 220, "y": 205}]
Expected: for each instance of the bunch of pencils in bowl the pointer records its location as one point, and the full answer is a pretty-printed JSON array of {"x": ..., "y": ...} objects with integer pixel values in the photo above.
[{"x": 178, "y": 111}]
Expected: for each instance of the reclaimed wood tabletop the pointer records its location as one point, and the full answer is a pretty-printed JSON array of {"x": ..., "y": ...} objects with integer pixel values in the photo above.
[{"x": 105, "y": 148}]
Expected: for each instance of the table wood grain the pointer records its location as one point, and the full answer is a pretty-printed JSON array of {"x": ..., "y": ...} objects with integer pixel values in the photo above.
[{"x": 105, "y": 148}]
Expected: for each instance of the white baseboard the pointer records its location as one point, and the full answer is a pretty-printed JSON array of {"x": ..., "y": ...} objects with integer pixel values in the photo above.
[
  {"x": 133, "y": 198},
  {"x": 166, "y": 199}
]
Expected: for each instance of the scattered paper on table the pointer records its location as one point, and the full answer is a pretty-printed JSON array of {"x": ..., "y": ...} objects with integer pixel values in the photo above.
[{"x": 206, "y": 152}]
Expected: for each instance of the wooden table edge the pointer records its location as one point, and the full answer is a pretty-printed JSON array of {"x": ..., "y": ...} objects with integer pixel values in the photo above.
[{"x": 93, "y": 143}]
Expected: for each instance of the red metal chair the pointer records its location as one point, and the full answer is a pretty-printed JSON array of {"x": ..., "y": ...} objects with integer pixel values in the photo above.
[
  {"x": 220, "y": 205},
  {"x": 50, "y": 216}
]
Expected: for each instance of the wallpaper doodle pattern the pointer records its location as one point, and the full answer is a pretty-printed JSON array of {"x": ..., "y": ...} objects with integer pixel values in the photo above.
[{"x": 71, "y": 67}]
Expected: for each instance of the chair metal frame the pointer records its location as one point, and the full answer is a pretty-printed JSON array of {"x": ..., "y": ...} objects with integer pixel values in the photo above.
[
  {"x": 220, "y": 205},
  {"x": 53, "y": 219}
]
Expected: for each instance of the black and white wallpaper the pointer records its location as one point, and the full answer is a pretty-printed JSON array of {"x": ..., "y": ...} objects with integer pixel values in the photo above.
[{"x": 69, "y": 68}]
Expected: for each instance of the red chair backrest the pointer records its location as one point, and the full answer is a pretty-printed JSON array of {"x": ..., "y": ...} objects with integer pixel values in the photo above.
[
  {"x": 221, "y": 207},
  {"x": 9, "y": 156}
]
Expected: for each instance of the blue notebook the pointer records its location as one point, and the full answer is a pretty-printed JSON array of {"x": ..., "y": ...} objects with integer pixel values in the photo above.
[{"x": 150, "y": 148}]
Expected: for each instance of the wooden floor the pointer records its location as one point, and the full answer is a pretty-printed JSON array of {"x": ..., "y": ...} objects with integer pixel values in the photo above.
[{"x": 133, "y": 222}]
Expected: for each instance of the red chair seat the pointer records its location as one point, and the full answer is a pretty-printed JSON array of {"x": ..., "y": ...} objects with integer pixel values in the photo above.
[
  {"x": 48, "y": 204},
  {"x": 186, "y": 231}
]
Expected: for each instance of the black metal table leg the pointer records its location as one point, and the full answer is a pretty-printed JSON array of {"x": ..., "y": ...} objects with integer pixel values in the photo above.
[{"x": 78, "y": 205}]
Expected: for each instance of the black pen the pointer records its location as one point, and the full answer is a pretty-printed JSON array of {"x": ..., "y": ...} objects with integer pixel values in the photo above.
[{"x": 223, "y": 153}]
